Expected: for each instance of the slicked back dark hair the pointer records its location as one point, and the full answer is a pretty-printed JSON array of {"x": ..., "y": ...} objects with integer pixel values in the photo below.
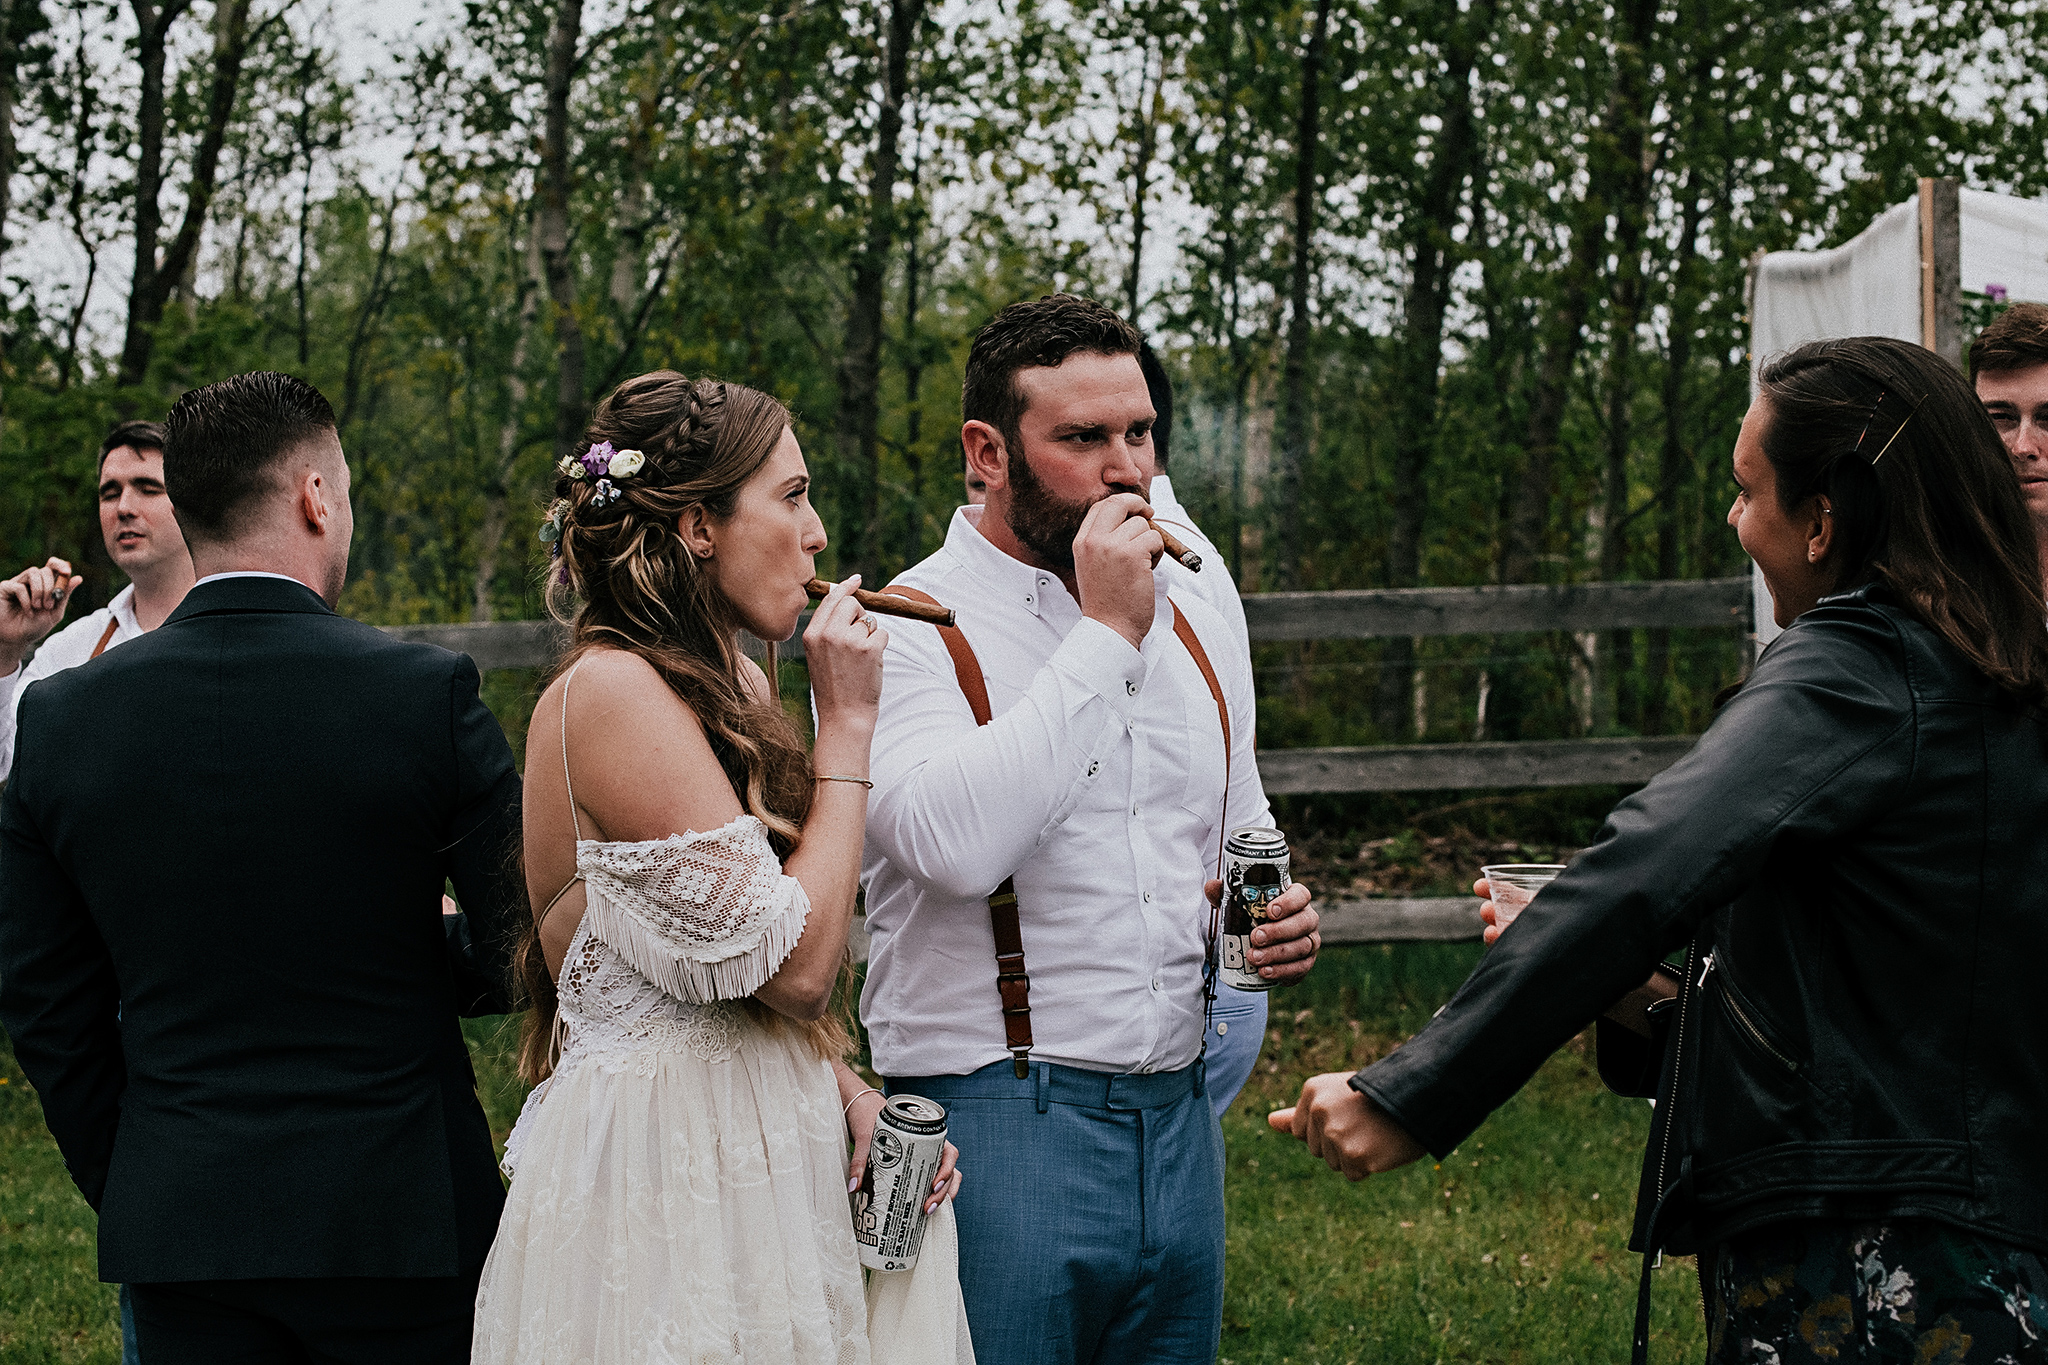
[
  {"x": 1041, "y": 332},
  {"x": 1922, "y": 493},
  {"x": 137, "y": 436},
  {"x": 223, "y": 445},
  {"x": 2016, "y": 339},
  {"x": 1161, "y": 389}
]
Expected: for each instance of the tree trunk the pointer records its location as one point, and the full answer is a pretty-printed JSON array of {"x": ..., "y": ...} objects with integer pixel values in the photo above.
[
  {"x": 913, "y": 380},
  {"x": 10, "y": 62},
  {"x": 497, "y": 490},
  {"x": 553, "y": 225},
  {"x": 860, "y": 369},
  {"x": 1295, "y": 423},
  {"x": 1614, "y": 650},
  {"x": 1419, "y": 370},
  {"x": 366, "y": 316},
  {"x": 155, "y": 279},
  {"x": 1149, "y": 112},
  {"x": 305, "y": 151},
  {"x": 1563, "y": 336}
]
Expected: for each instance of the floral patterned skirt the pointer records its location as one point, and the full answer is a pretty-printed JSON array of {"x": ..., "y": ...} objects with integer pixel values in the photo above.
[{"x": 1908, "y": 1290}]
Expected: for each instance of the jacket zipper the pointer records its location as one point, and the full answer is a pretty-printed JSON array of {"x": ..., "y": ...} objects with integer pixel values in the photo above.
[
  {"x": 1677, "y": 1064},
  {"x": 1742, "y": 1018}
]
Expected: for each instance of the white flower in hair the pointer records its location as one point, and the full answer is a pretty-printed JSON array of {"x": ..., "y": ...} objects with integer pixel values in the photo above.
[{"x": 626, "y": 463}]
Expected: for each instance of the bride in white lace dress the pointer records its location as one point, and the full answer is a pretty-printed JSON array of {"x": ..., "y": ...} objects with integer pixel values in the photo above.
[{"x": 679, "y": 1176}]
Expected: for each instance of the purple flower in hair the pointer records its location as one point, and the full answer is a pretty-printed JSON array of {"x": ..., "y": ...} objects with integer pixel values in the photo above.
[
  {"x": 1997, "y": 292},
  {"x": 598, "y": 459}
]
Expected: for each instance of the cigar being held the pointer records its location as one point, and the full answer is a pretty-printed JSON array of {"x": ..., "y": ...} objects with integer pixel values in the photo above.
[
  {"x": 885, "y": 604},
  {"x": 1176, "y": 549}
]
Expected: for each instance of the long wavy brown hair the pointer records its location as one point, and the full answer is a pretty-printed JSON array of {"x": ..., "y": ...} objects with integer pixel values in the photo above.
[
  {"x": 1924, "y": 496},
  {"x": 626, "y": 581}
]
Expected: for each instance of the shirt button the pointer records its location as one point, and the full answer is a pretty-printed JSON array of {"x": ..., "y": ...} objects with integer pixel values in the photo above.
[
  {"x": 1222, "y": 1027},
  {"x": 1027, "y": 599},
  {"x": 1094, "y": 768},
  {"x": 1130, "y": 687},
  {"x": 1134, "y": 811},
  {"x": 1148, "y": 898},
  {"x": 1155, "y": 983}
]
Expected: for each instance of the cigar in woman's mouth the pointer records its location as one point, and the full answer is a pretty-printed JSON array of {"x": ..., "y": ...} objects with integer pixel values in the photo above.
[{"x": 886, "y": 604}]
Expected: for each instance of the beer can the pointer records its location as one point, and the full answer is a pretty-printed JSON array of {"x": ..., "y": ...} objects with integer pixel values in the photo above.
[
  {"x": 1254, "y": 875},
  {"x": 903, "y": 1160}
]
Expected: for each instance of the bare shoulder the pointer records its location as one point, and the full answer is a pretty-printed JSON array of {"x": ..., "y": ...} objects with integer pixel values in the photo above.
[{"x": 642, "y": 764}]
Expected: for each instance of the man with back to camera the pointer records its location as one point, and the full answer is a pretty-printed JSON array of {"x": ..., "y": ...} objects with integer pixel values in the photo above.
[
  {"x": 1095, "y": 792},
  {"x": 2009, "y": 363},
  {"x": 279, "y": 1130},
  {"x": 143, "y": 540},
  {"x": 1237, "y": 1024}
]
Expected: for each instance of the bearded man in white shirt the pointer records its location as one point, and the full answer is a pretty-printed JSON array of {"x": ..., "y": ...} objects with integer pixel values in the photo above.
[
  {"x": 1093, "y": 801},
  {"x": 143, "y": 540}
]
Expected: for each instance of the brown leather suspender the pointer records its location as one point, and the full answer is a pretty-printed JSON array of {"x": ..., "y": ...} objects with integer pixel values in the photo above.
[
  {"x": 1013, "y": 984},
  {"x": 113, "y": 624}
]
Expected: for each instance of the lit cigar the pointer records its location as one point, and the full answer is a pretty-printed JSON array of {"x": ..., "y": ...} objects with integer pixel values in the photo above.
[
  {"x": 1176, "y": 549},
  {"x": 884, "y": 604}
]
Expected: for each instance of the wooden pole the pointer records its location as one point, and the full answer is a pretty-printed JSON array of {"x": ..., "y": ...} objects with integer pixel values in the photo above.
[{"x": 1941, "y": 273}]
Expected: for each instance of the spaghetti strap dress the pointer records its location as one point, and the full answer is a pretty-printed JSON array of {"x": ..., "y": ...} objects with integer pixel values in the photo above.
[{"x": 679, "y": 1183}]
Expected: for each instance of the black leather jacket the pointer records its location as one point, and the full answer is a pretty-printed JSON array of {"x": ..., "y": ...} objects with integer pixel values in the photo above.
[{"x": 1859, "y": 844}]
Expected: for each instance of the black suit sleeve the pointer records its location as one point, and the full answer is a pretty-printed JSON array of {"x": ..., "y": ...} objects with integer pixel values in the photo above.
[
  {"x": 483, "y": 853},
  {"x": 59, "y": 998}
]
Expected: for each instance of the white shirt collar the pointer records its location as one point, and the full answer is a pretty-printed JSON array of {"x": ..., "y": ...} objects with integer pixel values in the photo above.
[
  {"x": 123, "y": 607},
  {"x": 253, "y": 573}
]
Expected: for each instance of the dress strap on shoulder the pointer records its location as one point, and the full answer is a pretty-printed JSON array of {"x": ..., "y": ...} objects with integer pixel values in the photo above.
[
  {"x": 566, "y": 782},
  {"x": 570, "y": 785}
]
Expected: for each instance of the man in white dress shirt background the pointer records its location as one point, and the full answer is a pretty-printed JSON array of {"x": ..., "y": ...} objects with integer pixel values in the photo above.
[
  {"x": 142, "y": 539},
  {"x": 1092, "y": 1229}
]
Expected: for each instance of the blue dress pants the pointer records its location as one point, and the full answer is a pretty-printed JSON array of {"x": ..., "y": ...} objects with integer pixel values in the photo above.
[
  {"x": 1091, "y": 1215},
  {"x": 1237, "y": 1029}
]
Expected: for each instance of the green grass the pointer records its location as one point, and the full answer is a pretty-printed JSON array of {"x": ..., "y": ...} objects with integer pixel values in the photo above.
[{"x": 1501, "y": 1254}]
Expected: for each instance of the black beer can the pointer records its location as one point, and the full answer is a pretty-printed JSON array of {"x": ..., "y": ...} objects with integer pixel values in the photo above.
[{"x": 1254, "y": 876}]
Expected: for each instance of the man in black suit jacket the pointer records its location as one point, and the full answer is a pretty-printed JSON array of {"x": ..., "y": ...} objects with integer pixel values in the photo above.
[{"x": 223, "y": 961}]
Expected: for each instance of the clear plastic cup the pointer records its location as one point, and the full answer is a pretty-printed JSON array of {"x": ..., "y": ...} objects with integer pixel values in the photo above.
[{"x": 1515, "y": 885}]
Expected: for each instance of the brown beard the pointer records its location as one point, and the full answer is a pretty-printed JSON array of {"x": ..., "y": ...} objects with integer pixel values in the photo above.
[{"x": 1045, "y": 523}]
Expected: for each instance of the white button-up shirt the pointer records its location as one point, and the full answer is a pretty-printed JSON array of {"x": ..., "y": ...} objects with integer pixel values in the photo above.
[
  {"x": 1098, "y": 785},
  {"x": 68, "y": 648}
]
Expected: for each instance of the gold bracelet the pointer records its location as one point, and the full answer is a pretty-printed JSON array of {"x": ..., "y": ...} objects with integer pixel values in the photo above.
[
  {"x": 847, "y": 1112},
  {"x": 829, "y": 777}
]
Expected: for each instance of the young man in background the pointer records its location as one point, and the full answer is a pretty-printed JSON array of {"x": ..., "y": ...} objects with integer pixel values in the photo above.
[{"x": 142, "y": 539}]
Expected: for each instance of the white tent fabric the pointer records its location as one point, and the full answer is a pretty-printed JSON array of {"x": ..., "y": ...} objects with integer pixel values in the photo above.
[{"x": 1870, "y": 286}]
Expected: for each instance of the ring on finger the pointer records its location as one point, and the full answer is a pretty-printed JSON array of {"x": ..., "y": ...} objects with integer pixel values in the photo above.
[{"x": 869, "y": 622}]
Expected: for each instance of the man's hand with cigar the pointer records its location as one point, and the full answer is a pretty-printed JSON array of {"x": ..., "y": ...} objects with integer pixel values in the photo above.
[
  {"x": 31, "y": 604},
  {"x": 1114, "y": 555}
]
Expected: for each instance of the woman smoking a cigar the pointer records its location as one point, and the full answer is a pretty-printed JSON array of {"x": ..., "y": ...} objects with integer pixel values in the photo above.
[
  {"x": 1851, "y": 1082},
  {"x": 679, "y": 1188}
]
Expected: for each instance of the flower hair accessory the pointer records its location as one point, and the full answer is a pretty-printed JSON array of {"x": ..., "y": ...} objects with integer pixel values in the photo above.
[{"x": 602, "y": 462}]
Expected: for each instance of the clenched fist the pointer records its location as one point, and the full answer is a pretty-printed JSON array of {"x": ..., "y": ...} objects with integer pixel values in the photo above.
[{"x": 1344, "y": 1128}]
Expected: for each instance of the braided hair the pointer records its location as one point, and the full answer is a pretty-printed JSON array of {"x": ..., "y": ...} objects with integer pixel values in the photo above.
[{"x": 626, "y": 580}]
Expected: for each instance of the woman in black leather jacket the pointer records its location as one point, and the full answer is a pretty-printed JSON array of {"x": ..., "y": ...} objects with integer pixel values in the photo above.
[{"x": 1852, "y": 1078}]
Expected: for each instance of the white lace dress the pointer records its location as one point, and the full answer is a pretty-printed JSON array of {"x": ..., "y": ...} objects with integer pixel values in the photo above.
[{"x": 679, "y": 1185}]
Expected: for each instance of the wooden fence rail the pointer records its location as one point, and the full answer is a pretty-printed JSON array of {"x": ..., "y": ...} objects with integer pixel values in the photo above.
[
  {"x": 1717, "y": 603},
  {"x": 1701, "y": 604}
]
